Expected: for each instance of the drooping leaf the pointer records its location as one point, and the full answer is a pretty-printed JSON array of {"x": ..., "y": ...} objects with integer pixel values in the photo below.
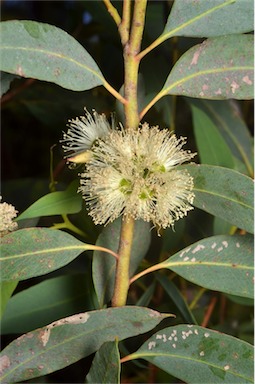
[
  {"x": 46, "y": 302},
  {"x": 219, "y": 68},
  {"x": 226, "y": 116},
  {"x": 224, "y": 193},
  {"x": 45, "y": 52},
  {"x": 6, "y": 290},
  {"x": 66, "y": 341},
  {"x": 55, "y": 203},
  {"x": 104, "y": 267},
  {"x": 222, "y": 263},
  {"x": 209, "y": 18},
  {"x": 175, "y": 295},
  {"x": 105, "y": 367},
  {"x": 199, "y": 355},
  {"x": 33, "y": 252},
  {"x": 212, "y": 147}
]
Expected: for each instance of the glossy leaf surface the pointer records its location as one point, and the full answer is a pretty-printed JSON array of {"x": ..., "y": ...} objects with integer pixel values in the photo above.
[
  {"x": 64, "y": 342},
  {"x": 45, "y": 52},
  {"x": 227, "y": 117},
  {"x": 219, "y": 68},
  {"x": 55, "y": 203},
  {"x": 199, "y": 355},
  {"x": 212, "y": 147}
]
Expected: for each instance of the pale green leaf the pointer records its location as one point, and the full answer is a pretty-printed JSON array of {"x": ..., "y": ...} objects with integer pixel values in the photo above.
[
  {"x": 226, "y": 116},
  {"x": 6, "y": 290},
  {"x": 45, "y": 52},
  {"x": 209, "y": 18},
  {"x": 219, "y": 68},
  {"x": 221, "y": 263},
  {"x": 33, "y": 252},
  {"x": 55, "y": 203},
  {"x": 212, "y": 148},
  {"x": 68, "y": 340},
  {"x": 199, "y": 355},
  {"x": 105, "y": 367}
]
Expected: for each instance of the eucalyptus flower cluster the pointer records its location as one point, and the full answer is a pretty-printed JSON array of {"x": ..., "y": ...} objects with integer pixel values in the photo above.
[
  {"x": 7, "y": 214},
  {"x": 130, "y": 172}
]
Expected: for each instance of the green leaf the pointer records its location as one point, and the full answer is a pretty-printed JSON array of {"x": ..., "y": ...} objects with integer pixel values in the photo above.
[
  {"x": 55, "y": 203},
  {"x": 219, "y": 68},
  {"x": 224, "y": 193},
  {"x": 6, "y": 290},
  {"x": 33, "y": 252},
  {"x": 45, "y": 302},
  {"x": 176, "y": 296},
  {"x": 209, "y": 18},
  {"x": 68, "y": 340},
  {"x": 104, "y": 266},
  {"x": 45, "y": 52},
  {"x": 226, "y": 116},
  {"x": 221, "y": 263},
  {"x": 199, "y": 355},
  {"x": 105, "y": 367},
  {"x": 211, "y": 146},
  {"x": 6, "y": 80}
]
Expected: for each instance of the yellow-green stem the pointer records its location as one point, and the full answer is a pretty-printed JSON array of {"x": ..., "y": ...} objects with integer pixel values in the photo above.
[
  {"x": 131, "y": 46},
  {"x": 122, "y": 267}
]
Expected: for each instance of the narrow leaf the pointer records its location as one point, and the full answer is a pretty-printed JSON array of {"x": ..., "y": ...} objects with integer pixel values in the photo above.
[
  {"x": 105, "y": 367},
  {"x": 45, "y": 302},
  {"x": 55, "y": 203},
  {"x": 45, "y": 52},
  {"x": 176, "y": 296},
  {"x": 209, "y": 18},
  {"x": 224, "y": 193},
  {"x": 211, "y": 146},
  {"x": 221, "y": 263},
  {"x": 66, "y": 341},
  {"x": 36, "y": 251},
  {"x": 219, "y": 68},
  {"x": 6, "y": 290},
  {"x": 227, "y": 117},
  {"x": 198, "y": 355},
  {"x": 104, "y": 267}
]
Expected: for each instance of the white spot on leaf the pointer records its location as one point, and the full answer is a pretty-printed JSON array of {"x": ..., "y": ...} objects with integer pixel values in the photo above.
[
  {"x": 247, "y": 80},
  {"x": 152, "y": 344}
]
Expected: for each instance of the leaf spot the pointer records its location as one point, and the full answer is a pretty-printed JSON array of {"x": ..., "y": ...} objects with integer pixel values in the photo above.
[
  {"x": 186, "y": 258},
  {"x": 74, "y": 319},
  {"x": 234, "y": 86},
  {"x": 152, "y": 344},
  {"x": 4, "y": 363},
  {"x": 247, "y": 80},
  {"x": 199, "y": 247},
  {"x": 218, "y": 92},
  {"x": 220, "y": 249},
  {"x": 225, "y": 243},
  {"x": 174, "y": 345},
  {"x": 158, "y": 337},
  {"x": 202, "y": 353},
  {"x": 213, "y": 245},
  {"x": 193, "y": 259},
  {"x": 226, "y": 367},
  {"x": 206, "y": 334},
  {"x": 237, "y": 245},
  {"x": 196, "y": 332}
]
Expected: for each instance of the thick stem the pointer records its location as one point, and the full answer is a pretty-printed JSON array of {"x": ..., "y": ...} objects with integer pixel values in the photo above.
[
  {"x": 122, "y": 266},
  {"x": 131, "y": 65}
]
